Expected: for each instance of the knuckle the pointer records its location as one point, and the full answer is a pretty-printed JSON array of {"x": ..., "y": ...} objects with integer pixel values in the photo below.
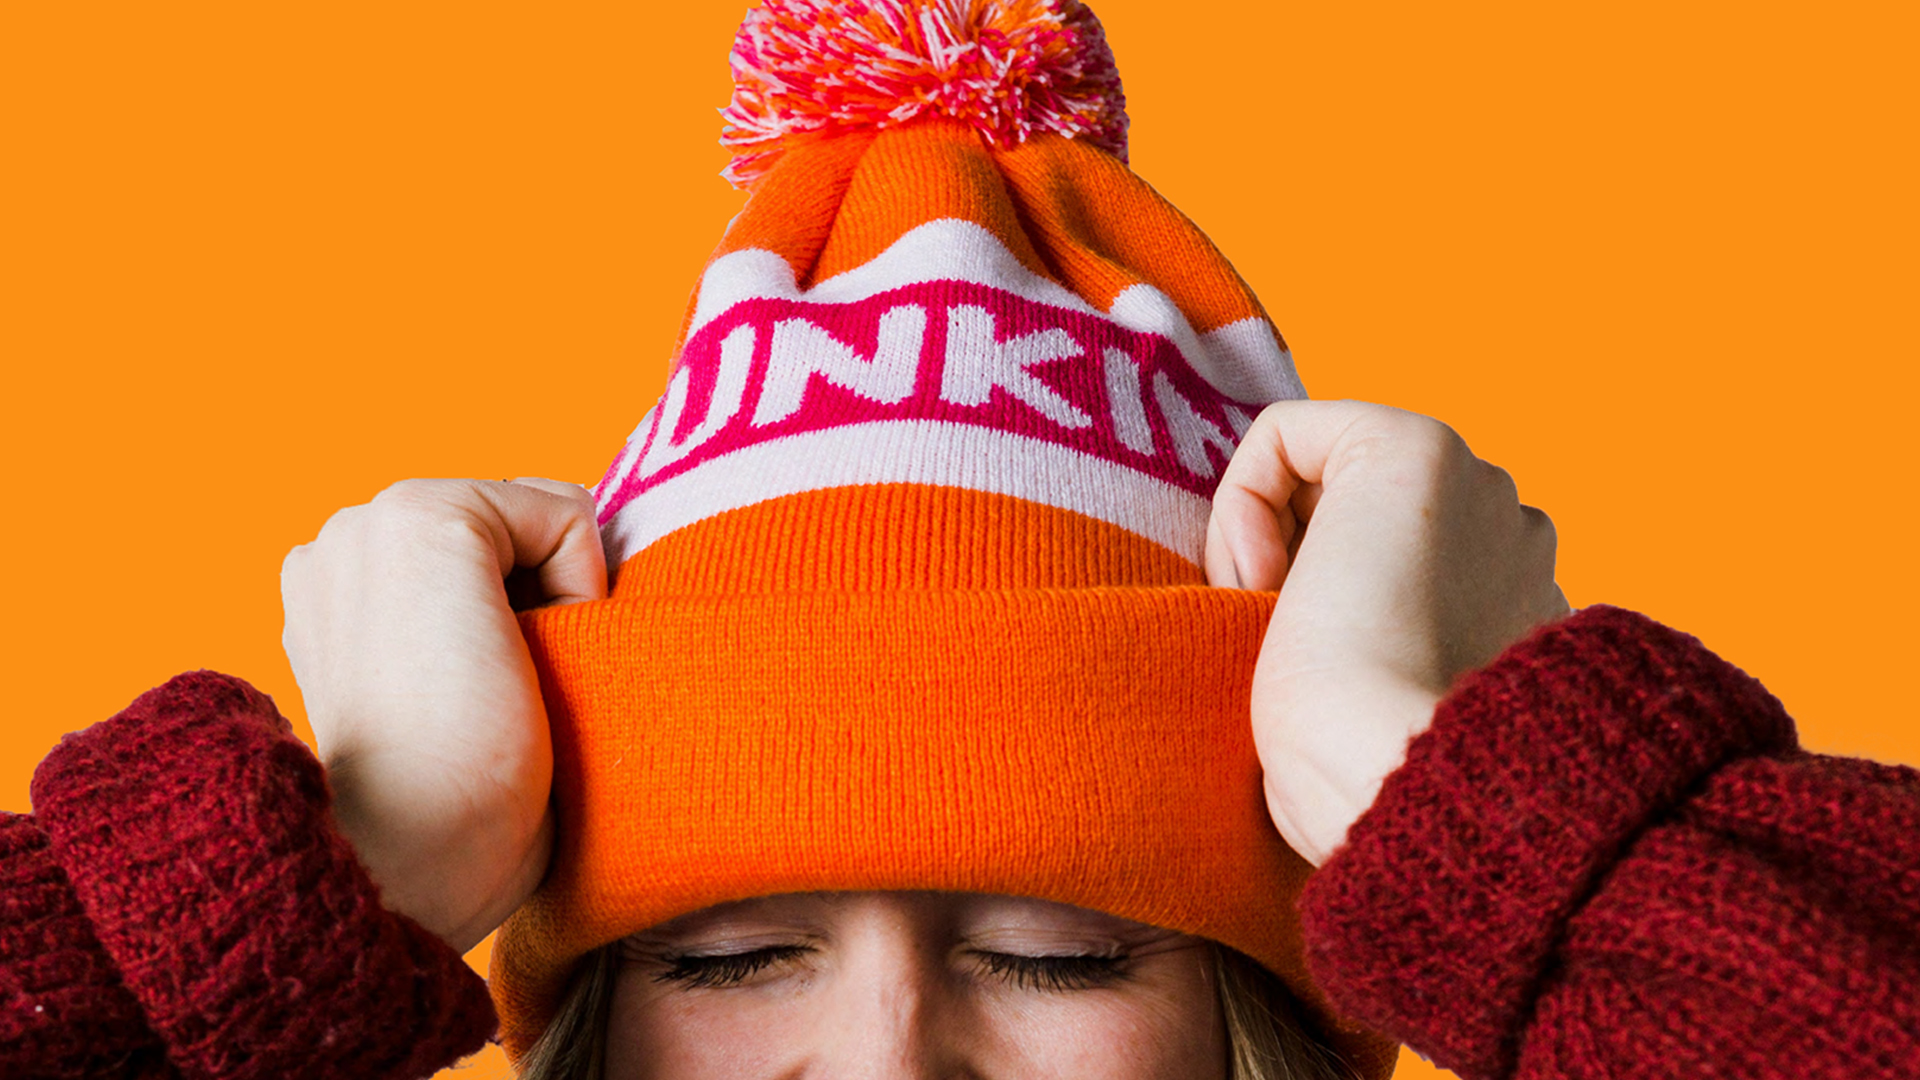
[
  {"x": 415, "y": 504},
  {"x": 1500, "y": 480},
  {"x": 1423, "y": 434},
  {"x": 409, "y": 493},
  {"x": 1539, "y": 530},
  {"x": 1444, "y": 441},
  {"x": 1541, "y": 522},
  {"x": 293, "y": 567},
  {"x": 1261, "y": 436},
  {"x": 343, "y": 524},
  {"x": 1542, "y": 540},
  {"x": 339, "y": 522},
  {"x": 1269, "y": 415},
  {"x": 1420, "y": 448}
]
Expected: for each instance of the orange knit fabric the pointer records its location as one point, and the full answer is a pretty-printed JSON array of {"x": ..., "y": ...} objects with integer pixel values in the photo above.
[
  {"x": 1023, "y": 741},
  {"x": 898, "y": 536},
  {"x": 909, "y": 591},
  {"x": 838, "y": 203},
  {"x": 1067, "y": 194}
]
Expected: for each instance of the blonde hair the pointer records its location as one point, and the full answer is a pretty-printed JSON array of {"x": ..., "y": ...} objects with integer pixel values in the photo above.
[{"x": 1268, "y": 1038}]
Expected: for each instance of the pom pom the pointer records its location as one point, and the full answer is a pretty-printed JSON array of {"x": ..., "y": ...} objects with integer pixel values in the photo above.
[{"x": 806, "y": 69}]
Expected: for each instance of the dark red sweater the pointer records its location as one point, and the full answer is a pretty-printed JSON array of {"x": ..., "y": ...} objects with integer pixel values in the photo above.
[{"x": 1607, "y": 857}]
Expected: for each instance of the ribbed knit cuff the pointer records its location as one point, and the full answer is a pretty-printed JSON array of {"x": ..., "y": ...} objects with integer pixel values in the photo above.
[
  {"x": 196, "y": 833},
  {"x": 63, "y": 1011},
  {"x": 1436, "y": 920}
]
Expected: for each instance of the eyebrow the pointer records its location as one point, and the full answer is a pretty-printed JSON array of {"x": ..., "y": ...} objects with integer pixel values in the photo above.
[{"x": 695, "y": 921}]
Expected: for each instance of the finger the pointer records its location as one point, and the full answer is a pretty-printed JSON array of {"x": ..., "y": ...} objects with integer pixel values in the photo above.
[
  {"x": 1308, "y": 435},
  {"x": 1559, "y": 606},
  {"x": 1543, "y": 540},
  {"x": 549, "y": 530},
  {"x": 1251, "y": 529},
  {"x": 1273, "y": 483},
  {"x": 558, "y": 487},
  {"x": 1301, "y": 520},
  {"x": 1305, "y": 499},
  {"x": 1263, "y": 541}
]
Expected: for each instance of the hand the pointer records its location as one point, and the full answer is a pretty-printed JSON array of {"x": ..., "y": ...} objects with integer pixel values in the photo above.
[
  {"x": 1403, "y": 562},
  {"x": 421, "y": 691}
]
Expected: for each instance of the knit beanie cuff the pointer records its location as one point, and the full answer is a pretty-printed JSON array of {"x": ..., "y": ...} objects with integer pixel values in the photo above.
[{"x": 1013, "y": 725}]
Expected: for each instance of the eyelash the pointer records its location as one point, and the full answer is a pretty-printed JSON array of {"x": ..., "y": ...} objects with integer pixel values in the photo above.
[
  {"x": 1055, "y": 972},
  {"x": 1051, "y": 973},
  {"x": 727, "y": 969}
]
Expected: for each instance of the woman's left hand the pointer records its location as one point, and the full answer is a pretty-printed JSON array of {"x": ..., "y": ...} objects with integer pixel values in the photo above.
[{"x": 1402, "y": 560}]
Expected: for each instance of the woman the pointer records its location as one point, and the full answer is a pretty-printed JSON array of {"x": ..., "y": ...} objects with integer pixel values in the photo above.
[
  {"x": 362, "y": 599},
  {"x": 1464, "y": 566},
  {"x": 348, "y": 989}
]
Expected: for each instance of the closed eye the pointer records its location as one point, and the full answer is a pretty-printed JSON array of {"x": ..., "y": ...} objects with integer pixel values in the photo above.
[
  {"x": 726, "y": 969},
  {"x": 1055, "y": 973}
]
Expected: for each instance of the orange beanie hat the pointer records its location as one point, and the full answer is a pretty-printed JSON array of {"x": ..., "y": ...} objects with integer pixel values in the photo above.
[{"x": 908, "y": 589}]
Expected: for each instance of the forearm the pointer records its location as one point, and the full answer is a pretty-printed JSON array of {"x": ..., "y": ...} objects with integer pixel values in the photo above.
[
  {"x": 63, "y": 1009},
  {"x": 1732, "y": 938},
  {"x": 193, "y": 834},
  {"x": 1561, "y": 801}
]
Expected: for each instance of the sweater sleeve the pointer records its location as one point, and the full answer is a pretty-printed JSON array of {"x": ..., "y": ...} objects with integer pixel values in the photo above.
[
  {"x": 64, "y": 1013},
  {"x": 181, "y": 901},
  {"x": 1608, "y": 857}
]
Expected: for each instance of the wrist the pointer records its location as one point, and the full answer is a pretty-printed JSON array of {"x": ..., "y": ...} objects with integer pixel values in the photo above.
[
  {"x": 458, "y": 877},
  {"x": 1331, "y": 748}
]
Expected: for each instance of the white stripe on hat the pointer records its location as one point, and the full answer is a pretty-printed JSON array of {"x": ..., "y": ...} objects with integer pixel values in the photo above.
[
  {"x": 1243, "y": 360},
  {"x": 915, "y": 452}
]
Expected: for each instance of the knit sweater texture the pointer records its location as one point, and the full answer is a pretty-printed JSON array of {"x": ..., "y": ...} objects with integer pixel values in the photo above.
[{"x": 1606, "y": 857}]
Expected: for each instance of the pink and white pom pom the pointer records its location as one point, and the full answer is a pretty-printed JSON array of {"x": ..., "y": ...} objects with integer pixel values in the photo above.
[{"x": 809, "y": 68}]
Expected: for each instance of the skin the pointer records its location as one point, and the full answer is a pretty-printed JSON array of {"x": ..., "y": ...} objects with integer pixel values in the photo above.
[
  {"x": 913, "y": 984},
  {"x": 1402, "y": 562},
  {"x": 1401, "y": 559}
]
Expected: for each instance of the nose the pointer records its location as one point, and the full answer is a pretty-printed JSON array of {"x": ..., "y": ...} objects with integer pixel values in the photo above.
[
  {"x": 883, "y": 1034},
  {"x": 888, "y": 1016}
]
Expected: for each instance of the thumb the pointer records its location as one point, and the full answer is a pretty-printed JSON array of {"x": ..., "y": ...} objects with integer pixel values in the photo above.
[
  {"x": 1274, "y": 480},
  {"x": 547, "y": 528}
]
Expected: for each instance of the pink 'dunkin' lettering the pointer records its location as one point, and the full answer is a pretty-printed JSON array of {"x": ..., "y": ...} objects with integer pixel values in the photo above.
[{"x": 944, "y": 350}]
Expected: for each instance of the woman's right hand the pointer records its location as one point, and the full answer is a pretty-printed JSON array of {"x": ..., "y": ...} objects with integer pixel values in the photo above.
[{"x": 421, "y": 691}]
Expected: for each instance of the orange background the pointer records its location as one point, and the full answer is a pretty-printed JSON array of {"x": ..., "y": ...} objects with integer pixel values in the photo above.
[{"x": 262, "y": 260}]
